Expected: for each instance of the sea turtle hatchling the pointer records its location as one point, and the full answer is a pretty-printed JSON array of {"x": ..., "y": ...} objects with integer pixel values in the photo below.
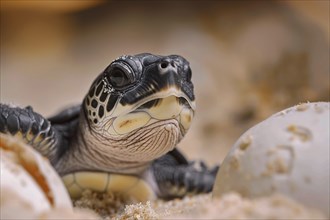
[{"x": 122, "y": 137}]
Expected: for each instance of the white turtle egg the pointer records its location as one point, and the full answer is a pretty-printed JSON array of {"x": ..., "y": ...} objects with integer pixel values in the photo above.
[
  {"x": 288, "y": 153},
  {"x": 29, "y": 184}
]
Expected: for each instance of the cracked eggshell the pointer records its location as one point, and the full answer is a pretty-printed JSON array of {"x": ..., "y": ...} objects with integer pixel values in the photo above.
[
  {"x": 29, "y": 184},
  {"x": 287, "y": 153}
]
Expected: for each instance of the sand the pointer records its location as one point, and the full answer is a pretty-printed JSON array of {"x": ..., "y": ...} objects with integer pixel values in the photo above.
[{"x": 230, "y": 206}]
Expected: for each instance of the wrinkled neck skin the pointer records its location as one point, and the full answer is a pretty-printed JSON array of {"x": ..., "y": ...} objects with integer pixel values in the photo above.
[{"x": 132, "y": 153}]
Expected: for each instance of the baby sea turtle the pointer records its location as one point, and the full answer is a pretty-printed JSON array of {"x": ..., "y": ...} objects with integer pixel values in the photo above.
[{"x": 122, "y": 137}]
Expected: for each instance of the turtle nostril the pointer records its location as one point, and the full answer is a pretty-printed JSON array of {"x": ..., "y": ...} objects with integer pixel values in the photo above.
[{"x": 163, "y": 65}]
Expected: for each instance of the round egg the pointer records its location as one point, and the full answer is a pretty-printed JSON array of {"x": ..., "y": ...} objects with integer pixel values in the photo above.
[
  {"x": 287, "y": 153},
  {"x": 29, "y": 184}
]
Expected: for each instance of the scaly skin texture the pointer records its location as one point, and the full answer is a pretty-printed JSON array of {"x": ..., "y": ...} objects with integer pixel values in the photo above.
[{"x": 32, "y": 128}]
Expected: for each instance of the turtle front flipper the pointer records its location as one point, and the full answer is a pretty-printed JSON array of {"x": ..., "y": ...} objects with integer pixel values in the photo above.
[
  {"x": 176, "y": 177},
  {"x": 32, "y": 128}
]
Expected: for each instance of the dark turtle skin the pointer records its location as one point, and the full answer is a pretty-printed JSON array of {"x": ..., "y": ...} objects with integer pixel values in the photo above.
[{"x": 133, "y": 116}]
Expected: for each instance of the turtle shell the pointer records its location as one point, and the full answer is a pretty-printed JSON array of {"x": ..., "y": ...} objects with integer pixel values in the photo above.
[{"x": 133, "y": 187}]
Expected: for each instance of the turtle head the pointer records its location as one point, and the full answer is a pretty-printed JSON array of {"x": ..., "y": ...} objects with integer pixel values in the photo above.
[{"x": 141, "y": 106}]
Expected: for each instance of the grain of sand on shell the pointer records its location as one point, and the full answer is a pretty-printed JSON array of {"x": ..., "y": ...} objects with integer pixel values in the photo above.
[{"x": 229, "y": 206}]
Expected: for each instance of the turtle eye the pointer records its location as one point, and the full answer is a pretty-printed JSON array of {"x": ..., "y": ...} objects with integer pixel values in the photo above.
[{"x": 118, "y": 77}]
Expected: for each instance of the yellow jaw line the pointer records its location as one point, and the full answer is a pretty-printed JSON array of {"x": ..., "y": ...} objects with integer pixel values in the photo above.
[
  {"x": 172, "y": 91},
  {"x": 168, "y": 108}
]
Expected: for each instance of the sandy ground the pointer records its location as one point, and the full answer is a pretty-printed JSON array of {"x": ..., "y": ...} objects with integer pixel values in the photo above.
[{"x": 230, "y": 206}]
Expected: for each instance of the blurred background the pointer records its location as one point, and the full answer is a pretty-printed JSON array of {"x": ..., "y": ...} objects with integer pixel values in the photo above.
[{"x": 250, "y": 59}]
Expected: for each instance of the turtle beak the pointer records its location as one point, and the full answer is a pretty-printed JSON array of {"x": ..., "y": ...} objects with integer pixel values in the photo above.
[{"x": 155, "y": 99}]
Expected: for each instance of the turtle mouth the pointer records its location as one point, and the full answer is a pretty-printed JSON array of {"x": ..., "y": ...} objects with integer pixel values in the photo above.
[
  {"x": 156, "y": 99},
  {"x": 149, "y": 104},
  {"x": 159, "y": 110},
  {"x": 155, "y": 102}
]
